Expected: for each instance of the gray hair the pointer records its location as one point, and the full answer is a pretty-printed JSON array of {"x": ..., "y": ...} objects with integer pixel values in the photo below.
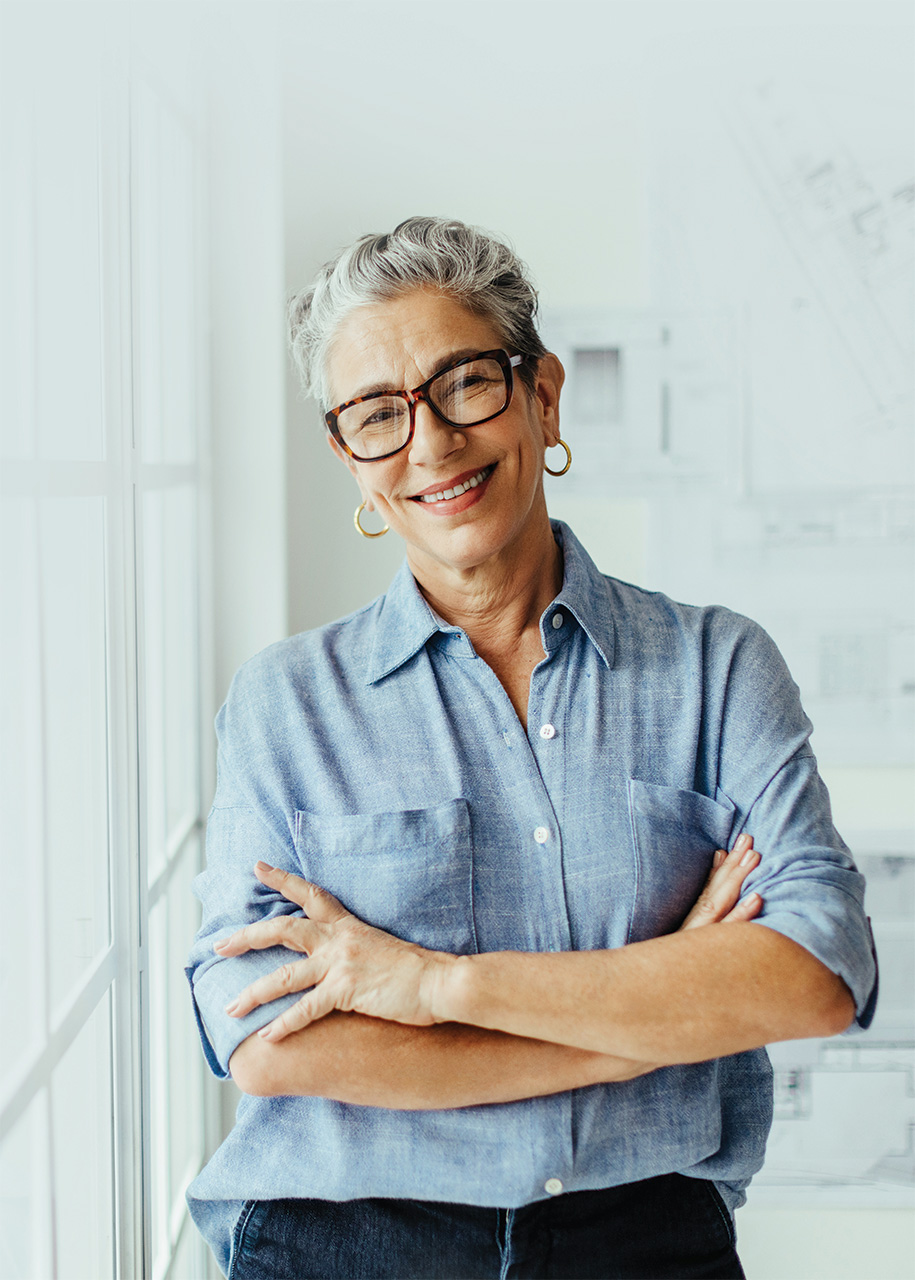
[{"x": 475, "y": 268}]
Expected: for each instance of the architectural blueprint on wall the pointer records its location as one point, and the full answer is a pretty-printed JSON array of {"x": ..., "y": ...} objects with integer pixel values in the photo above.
[{"x": 756, "y": 424}]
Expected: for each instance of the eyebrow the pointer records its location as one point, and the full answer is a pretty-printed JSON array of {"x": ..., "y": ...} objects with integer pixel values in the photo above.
[{"x": 385, "y": 388}]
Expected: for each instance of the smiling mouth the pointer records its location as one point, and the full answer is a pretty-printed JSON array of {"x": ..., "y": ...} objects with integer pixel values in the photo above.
[{"x": 458, "y": 489}]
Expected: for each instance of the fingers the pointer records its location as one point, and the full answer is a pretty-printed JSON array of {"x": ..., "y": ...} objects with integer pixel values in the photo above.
[
  {"x": 319, "y": 906},
  {"x": 720, "y": 897},
  {"x": 295, "y": 976},
  {"x": 316, "y": 902},
  {"x": 281, "y": 931},
  {"x": 316, "y": 1004},
  {"x": 726, "y": 879},
  {"x": 747, "y": 909}
]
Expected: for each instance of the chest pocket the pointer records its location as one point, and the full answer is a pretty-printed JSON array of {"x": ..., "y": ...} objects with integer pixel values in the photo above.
[
  {"x": 408, "y": 872},
  {"x": 674, "y": 833}
]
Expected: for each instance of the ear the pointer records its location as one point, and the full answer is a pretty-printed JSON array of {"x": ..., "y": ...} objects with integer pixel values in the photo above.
[{"x": 550, "y": 377}]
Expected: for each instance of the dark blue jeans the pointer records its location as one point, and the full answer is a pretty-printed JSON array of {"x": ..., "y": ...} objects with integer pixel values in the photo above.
[{"x": 668, "y": 1228}]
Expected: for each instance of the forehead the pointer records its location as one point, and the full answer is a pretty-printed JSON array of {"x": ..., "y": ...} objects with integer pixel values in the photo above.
[{"x": 399, "y": 344}]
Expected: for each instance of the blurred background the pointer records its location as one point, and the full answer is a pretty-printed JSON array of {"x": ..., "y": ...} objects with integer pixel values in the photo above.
[{"x": 716, "y": 201}]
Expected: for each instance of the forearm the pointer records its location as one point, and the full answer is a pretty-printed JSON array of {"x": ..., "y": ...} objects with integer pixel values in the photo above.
[
  {"x": 682, "y": 998},
  {"x": 370, "y": 1062}
]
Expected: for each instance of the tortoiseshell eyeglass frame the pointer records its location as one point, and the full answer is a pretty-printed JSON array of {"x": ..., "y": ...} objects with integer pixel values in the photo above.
[{"x": 508, "y": 364}]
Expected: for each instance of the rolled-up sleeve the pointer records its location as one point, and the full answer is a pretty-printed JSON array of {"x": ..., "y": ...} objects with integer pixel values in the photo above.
[
  {"x": 811, "y": 890},
  {"x": 231, "y": 896}
]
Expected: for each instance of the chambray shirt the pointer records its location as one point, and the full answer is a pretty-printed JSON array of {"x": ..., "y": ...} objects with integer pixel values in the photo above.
[{"x": 380, "y": 757}]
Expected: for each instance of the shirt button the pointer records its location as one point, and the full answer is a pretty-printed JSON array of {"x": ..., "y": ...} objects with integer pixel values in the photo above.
[
  {"x": 541, "y": 834},
  {"x": 553, "y": 1186},
  {"x": 558, "y": 620},
  {"x": 547, "y": 731}
]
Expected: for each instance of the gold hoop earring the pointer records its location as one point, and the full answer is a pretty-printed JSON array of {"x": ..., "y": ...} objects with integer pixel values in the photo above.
[
  {"x": 550, "y": 471},
  {"x": 364, "y": 532}
]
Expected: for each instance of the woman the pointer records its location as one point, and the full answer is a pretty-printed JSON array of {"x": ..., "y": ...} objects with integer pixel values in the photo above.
[{"x": 507, "y": 778}]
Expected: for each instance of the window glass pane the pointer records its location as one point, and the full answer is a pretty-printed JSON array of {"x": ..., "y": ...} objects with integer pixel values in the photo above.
[
  {"x": 68, "y": 382},
  {"x": 185, "y": 1094},
  {"x": 180, "y": 656},
  {"x": 75, "y": 714},
  {"x": 16, "y": 267},
  {"x": 26, "y": 1236},
  {"x": 165, "y": 281},
  {"x": 81, "y": 1109},
  {"x": 21, "y": 935},
  {"x": 158, "y": 1077},
  {"x": 193, "y": 1261}
]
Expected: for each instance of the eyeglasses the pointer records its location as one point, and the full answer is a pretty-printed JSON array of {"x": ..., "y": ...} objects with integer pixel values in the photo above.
[{"x": 473, "y": 390}]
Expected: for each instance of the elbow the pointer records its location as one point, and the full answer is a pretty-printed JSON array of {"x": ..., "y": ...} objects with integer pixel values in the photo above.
[
  {"x": 838, "y": 1009},
  {"x": 826, "y": 1008},
  {"x": 278, "y": 1070},
  {"x": 253, "y": 1068},
  {"x": 816, "y": 1000}
]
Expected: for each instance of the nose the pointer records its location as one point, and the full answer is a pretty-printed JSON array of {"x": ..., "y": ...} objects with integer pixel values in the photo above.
[{"x": 433, "y": 440}]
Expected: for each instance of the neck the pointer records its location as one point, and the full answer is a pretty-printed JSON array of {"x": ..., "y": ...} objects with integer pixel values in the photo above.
[{"x": 497, "y": 601}]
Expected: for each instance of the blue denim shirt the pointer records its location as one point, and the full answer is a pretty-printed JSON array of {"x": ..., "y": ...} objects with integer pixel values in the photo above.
[{"x": 382, "y": 759}]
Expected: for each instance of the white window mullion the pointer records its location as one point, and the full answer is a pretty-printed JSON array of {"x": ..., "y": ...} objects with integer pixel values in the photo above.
[{"x": 130, "y": 1159}]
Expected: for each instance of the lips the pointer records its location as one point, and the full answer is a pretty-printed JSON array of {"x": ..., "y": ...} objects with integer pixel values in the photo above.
[{"x": 456, "y": 488}]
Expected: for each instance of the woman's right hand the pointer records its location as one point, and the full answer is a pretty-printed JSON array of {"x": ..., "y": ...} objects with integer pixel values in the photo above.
[{"x": 718, "y": 902}]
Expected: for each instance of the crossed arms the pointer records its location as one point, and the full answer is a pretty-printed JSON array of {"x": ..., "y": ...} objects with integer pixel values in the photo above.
[{"x": 386, "y": 1023}]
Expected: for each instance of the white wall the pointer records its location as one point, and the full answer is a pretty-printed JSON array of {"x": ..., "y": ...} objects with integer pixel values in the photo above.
[{"x": 247, "y": 337}]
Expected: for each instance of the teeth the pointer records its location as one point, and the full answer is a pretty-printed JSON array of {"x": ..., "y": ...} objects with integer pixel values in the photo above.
[{"x": 458, "y": 488}]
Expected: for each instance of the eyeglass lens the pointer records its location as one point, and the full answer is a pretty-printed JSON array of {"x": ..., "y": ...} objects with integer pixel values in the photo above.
[{"x": 463, "y": 396}]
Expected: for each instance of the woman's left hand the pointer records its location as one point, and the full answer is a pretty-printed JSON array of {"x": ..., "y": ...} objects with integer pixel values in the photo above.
[
  {"x": 350, "y": 966},
  {"x": 720, "y": 901}
]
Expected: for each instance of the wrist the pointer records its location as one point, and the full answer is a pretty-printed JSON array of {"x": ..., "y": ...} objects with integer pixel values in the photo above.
[{"x": 444, "y": 980}]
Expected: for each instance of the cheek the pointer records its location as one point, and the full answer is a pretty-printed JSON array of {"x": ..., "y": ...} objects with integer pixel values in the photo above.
[{"x": 377, "y": 486}]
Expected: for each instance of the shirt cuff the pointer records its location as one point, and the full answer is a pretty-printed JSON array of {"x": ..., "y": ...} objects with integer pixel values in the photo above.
[
  {"x": 216, "y": 984},
  {"x": 853, "y": 959}
]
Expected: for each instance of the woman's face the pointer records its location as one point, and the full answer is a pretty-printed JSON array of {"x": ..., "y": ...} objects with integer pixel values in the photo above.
[{"x": 397, "y": 345}]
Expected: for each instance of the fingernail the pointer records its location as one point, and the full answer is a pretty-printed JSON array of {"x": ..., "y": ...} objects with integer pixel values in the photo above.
[
  {"x": 221, "y": 944},
  {"x": 748, "y": 857},
  {"x": 719, "y": 857},
  {"x": 230, "y": 1008},
  {"x": 743, "y": 841},
  {"x": 263, "y": 866},
  {"x": 265, "y": 1033}
]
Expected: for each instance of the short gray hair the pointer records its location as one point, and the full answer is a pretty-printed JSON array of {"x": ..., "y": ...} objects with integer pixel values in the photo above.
[{"x": 474, "y": 267}]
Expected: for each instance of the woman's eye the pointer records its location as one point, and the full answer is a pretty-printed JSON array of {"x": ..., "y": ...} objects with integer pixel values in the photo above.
[
  {"x": 379, "y": 419},
  {"x": 471, "y": 382}
]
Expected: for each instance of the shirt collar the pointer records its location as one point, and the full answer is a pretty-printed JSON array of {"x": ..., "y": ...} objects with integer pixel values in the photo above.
[
  {"x": 585, "y": 594},
  {"x": 404, "y": 621}
]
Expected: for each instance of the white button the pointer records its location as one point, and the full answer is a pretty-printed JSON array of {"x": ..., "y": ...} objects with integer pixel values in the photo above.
[
  {"x": 558, "y": 620},
  {"x": 542, "y": 834},
  {"x": 547, "y": 731},
  {"x": 553, "y": 1186}
]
